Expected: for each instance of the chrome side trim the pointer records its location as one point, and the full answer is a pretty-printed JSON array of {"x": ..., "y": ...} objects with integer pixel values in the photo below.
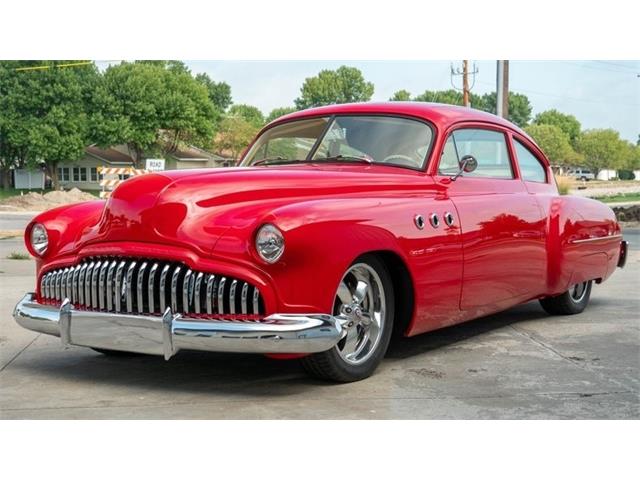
[{"x": 596, "y": 239}]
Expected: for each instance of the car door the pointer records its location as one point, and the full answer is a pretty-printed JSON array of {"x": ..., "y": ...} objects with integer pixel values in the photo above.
[{"x": 502, "y": 224}]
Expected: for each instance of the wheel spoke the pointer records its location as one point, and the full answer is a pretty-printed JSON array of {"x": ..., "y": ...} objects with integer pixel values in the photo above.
[
  {"x": 361, "y": 292},
  {"x": 351, "y": 342},
  {"x": 344, "y": 294}
]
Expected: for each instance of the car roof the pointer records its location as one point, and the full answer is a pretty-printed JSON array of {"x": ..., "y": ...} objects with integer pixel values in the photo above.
[{"x": 442, "y": 115}]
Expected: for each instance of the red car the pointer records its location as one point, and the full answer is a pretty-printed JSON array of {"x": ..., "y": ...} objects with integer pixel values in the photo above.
[{"x": 342, "y": 225}]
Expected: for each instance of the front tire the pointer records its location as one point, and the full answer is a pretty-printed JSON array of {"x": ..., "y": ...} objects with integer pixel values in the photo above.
[
  {"x": 571, "y": 302},
  {"x": 365, "y": 304}
]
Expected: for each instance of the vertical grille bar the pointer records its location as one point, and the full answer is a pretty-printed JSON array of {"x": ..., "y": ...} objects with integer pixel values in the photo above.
[
  {"x": 256, "y": 301},
  {"x": 186, "y": 294},
  {"x": 163, "y": 288},
  {"x": 110, "y": 273},
  {"x": 220, "y": 311},
  {"x": 63, "y": 283},
  {"x": 174, "y": 289},
  {"x": 198, "y": 288},
  {"x": 150, "y": 288},
  {"x": 118, "y": 285},
  {"x": 129, "y": 289},
  {"x": 58, "y": 292},
  {"x": 243, "y": 298},
  {"x": 140, "y": 298},
  {"x": 232, "y": 297},
  {"x": 94, "y": 284},
  {"x": 71, "y": 284},
  {"x": 81, "y": 284},
  {"x": 87, "y": 284},
  {"x": 102, "y": 292},
  {"x": 76, "y": 286},
  {"x": 43, "y": 281},
  {"x": 209, "y": 298}
]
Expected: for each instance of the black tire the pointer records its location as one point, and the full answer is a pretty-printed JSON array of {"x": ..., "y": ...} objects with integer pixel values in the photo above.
[
  {"x": 568, "y": 303},
  {"x": 115, "y": 353},
  {"x": 330, "y": 365}
]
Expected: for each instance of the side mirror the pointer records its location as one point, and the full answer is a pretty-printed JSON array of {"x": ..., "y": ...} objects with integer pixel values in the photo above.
[{"x": 467, "y": 164}]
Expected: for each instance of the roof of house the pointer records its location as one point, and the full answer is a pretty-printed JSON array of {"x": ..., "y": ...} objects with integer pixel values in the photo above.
[
  {"x": 109, "y": 155},
  {"x": 195, "y": 154}
]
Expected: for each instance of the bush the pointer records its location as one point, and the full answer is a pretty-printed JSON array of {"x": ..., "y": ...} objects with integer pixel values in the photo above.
[
  {"x": 564, "y": 184},
  {"x": 626, "y": 175}
]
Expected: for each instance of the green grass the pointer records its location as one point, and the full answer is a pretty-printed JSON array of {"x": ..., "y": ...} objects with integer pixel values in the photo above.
[
  {"x": 622, "y": 197},
  {"x": 18, "y": 256}
]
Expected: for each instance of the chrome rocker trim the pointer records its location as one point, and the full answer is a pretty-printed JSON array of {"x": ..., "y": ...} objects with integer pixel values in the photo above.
[{"x": 166, "y": 335}]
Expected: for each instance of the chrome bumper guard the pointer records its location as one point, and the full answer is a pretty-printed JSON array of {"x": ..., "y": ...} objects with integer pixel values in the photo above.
[{"x": 166, "y": 335}]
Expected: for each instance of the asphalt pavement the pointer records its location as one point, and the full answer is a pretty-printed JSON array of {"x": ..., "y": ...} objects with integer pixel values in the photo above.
[{"x": 519, "y": 364}]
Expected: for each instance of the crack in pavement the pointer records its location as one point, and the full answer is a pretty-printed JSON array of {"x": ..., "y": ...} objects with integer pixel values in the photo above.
[
  {"x": 569, "y": 359},
  {"x": 18, "y": 354}
]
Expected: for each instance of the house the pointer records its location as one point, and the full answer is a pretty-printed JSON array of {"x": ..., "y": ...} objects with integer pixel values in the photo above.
[
  {"x": 84, "y": 175},
  {"x": 193, "y": 157}
]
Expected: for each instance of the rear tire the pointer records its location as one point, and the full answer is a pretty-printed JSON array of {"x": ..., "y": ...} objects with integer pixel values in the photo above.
[
  {"x": 571, "y": 302},
  {"x": 366, "y": 340}
]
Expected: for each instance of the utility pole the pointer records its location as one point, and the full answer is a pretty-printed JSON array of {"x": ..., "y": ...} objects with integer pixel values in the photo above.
[
  {"x": 502, "y": 88},
  {"x": 465, "y": 83},
  {"x": 465, "y": 73}
]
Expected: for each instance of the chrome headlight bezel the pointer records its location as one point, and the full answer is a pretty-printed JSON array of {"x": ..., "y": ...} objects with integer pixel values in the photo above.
[
  {"x": 39, "y": 239},
  {"x": 269, "y": 243}
]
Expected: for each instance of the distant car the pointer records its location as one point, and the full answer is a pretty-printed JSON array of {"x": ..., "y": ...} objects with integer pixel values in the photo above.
[
  {"x": 581, "y": 174},
  {"x": 342, "y": 224}
]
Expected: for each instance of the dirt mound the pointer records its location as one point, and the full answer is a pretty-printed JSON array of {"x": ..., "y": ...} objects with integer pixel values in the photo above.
[{"x": 36, "y": 202}]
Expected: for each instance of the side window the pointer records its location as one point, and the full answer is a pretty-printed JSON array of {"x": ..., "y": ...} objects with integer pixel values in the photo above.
[
  {"x": 530, "y": 167},
  {"x": 487, "y": 146}
]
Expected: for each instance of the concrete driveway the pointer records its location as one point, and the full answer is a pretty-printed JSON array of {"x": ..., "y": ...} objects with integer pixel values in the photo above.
[{"x": 517, "y": 364}]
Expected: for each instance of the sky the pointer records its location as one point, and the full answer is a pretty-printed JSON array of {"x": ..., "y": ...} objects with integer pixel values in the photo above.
[{"x": 600, "y": 94}]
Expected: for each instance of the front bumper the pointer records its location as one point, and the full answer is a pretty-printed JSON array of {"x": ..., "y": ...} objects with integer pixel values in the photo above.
[{"x": 278, "y": 333}]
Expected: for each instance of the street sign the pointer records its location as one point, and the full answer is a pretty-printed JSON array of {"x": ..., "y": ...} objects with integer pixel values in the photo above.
[{"x": 155, "y": 164}]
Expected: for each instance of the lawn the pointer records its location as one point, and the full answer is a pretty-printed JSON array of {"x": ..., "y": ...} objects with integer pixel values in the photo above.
[{"x": 622, "y": 197}]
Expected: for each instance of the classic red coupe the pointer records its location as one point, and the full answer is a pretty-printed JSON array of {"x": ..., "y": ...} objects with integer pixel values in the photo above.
[{"x": 341, "y": 225}]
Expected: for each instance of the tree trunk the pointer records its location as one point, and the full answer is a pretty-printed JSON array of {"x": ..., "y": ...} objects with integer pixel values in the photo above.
[
  {"x": 6, "y": 177},
  {"x": 138, "y": 156},
  {"x": 52, "y": 171}
]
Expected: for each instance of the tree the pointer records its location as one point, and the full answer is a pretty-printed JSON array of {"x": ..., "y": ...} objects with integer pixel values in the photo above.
[
  {"x": 219, "y": 92},
  {"x": 344, "y": 85},
  {"x": 555, "y": 144},
  {"x": 251, "y": 114},
  {"x": 44, "y": 114},
  {"x": 279, "y": 112},
  {"x": 234, "y": 135},
  {"x": 519, "y": 107},
  {"x": 602, "y": 149},
  {"x": 567, "y": 123},
  {"x": 158, "y": 105},
  {"x": 401, "y": 96}
]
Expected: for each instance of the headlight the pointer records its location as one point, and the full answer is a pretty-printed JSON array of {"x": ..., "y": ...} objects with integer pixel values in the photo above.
[
  {"x": 269, "y": 243},
  {"x": 39, "y": 239}
]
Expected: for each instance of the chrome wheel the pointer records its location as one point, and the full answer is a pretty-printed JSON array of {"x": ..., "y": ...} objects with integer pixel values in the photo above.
[
  {"x": 361, "y": 307},
  {"x": 578, "y": 291}
]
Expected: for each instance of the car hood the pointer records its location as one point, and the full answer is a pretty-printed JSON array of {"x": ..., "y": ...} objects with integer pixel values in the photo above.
[{"x": 196, "y": 207}]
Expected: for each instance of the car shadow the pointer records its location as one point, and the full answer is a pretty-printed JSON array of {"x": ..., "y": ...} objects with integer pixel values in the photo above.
[{"x": 239, "y": 374}]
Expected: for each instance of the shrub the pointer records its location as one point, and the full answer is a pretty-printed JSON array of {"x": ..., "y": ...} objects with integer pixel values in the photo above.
[{"x": 564, "y": 184}]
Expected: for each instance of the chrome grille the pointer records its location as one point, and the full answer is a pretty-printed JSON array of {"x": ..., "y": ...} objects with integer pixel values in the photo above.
[{"x": 146, "y": 286}]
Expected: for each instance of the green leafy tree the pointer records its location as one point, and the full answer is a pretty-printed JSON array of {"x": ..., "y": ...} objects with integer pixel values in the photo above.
[
  {"x": 344, "y": 85},
  {"x": 234, "y": 135},
  {"x": 401, "y": 96},
  {"x": 157, "y": 105},
  {"x": 603, "y": 149},
  {"x": 251, "y": 114},
  {"x": 555, "y": 144},
  {"x": 219, "y": 92},
  {"x": 567, "y": 123},
  {"x": 44, "y": 114},
  {"x": 519, "y": 107},
  {"x": 279, "y": 112}
]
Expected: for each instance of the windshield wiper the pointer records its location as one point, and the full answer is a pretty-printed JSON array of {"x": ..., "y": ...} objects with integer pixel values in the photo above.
[
  {"x": 342, "y": 158},
  {"x": 275, "y": 161}
]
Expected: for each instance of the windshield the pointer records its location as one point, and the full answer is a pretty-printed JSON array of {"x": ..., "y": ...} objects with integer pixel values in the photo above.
[{"x": 367, "y": 139}]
